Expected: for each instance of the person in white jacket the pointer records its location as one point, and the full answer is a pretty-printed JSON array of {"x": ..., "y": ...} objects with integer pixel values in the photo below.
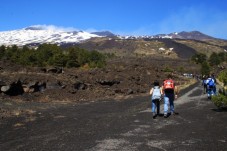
[{"x": 156, "y": 94}]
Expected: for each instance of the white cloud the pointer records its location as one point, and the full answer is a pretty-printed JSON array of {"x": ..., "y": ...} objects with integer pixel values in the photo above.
[
  {"x": 210, "y": 22},
  {"x": 53, "y": 27},
  {"x": 91, "y": 30},
  {"x": 136, "y": 32}
]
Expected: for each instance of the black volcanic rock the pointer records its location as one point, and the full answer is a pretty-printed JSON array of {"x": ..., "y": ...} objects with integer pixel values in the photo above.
[{"x": 183, "y": 51}]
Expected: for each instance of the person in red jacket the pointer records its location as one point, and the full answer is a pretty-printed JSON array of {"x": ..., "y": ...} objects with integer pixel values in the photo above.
[{"x": 170, "y": 93}]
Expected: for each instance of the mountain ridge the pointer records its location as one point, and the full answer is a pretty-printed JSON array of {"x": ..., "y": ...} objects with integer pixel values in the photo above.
[{"x": 50, "y": 34}]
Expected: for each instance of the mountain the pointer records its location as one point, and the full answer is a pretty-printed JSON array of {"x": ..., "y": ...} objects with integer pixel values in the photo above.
[
  {"x": 38, "y": 34},
  {"x": 42, "y": 34},
  {"x": 192, "y": 35},
  {"x": 196, "y": 35},
  {"x": 104, "y": 34}
]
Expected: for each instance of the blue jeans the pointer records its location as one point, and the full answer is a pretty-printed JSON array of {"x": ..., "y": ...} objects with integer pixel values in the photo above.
[
  {"x": 168, "y": 101},
  {"x": 155, "y": 104}
]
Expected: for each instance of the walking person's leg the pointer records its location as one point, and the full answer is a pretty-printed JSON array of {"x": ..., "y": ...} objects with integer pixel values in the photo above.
[
  {"x": 153, "y": 108},
  {"x": 158, "y": 106},
  {"x": 215, "y": 90},
  {"x": 166, "y": 106},
  {"x": 171, "y": 102},
  {"x": 171, "y": 106},
  {"x": 204, "y": 89}
]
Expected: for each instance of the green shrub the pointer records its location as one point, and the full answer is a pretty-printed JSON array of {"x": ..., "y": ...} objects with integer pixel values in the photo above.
[
  {"x": 199, "y": 58},
  {"x": 167, "y": 69},
  {"x": 220, "y": 100},
  {"x": 205, "y": 68},
  {"x": 223, "y": 77}
]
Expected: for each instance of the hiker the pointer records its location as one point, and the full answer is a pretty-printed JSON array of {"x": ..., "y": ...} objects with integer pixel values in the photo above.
[
  {"x": 170, "y": 93},
  {"x": 215, "y": 82},
  {"x": 211, "y": 87},
  {"x": 204, "y": 84},
  {"x": 156, "y": 93}
]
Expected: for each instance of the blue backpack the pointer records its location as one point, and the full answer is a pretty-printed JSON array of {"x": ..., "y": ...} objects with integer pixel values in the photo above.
[
  {"x": 156, "y": 93},
  {"x": 211, "y": 83}
]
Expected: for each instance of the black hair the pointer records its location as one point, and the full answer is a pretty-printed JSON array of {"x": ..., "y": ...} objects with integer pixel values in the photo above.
[{"x": 156, "y": 83}]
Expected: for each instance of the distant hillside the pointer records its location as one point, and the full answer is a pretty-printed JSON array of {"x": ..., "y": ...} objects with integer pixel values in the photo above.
[
  {"x": 148, "y": 47},
  {"x": 104, "y": 34},
  {"x": 174, "y": 45},
  {"x": 196, "y": 35},
  {"x": 159, "y": 47}
]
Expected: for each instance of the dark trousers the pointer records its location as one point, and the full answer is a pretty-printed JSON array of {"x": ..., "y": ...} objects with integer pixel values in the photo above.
[{"x": 155, "y": 105}]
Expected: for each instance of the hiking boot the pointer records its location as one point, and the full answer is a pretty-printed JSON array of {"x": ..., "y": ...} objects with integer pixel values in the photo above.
[{"x": 154, "y": 116}]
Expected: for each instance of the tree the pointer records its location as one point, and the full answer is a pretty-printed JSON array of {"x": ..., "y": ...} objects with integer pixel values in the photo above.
[
  {"x": 199, "y": 58},
  {"x": 45, "y": 53},
  {"x": 222, "y": 56},
  {"x": 11, "y": 53},
  {"x": 83, "y": 56},
  {"x": 72, "y": 57},
  {"x": 205, "y": 68},
  {"x": 214, "y": 59},
  {"x": 53, "y": 55},
  {"x": 28, "y": 57},
  {"x": 59, "y": 60},
  {"x": 96, "y": 59},
  {"x": 2, "y": 51}
]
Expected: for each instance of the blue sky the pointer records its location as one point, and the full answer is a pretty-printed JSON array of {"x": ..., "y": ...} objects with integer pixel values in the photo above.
[{"x": 125, "y": 17}]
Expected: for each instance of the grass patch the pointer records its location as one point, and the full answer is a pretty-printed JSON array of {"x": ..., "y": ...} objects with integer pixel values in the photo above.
[{"x": 220, "y": 101}]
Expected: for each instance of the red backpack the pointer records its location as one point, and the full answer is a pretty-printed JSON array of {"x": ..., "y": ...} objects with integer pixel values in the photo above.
[{"x": 168, "y": 84}]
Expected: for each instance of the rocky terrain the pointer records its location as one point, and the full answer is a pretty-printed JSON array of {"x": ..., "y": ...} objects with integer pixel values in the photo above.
[
  {"x": 122, "y": 78},
  {"x": 119, "y": 79},
  {"x": 131, "y": 72},
  {"x": 137, "y": 63}
]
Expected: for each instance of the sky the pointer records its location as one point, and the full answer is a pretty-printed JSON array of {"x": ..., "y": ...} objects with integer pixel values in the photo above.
[{"x": 123, "y": 17}]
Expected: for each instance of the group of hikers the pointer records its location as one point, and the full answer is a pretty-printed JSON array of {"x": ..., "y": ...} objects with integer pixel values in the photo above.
[
  {"x": 168, "y": 92},
  {"x": 209, "y": 85}
]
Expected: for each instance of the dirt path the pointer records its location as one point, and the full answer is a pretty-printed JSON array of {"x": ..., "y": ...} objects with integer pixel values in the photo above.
[{"x": 119, "y": 125}]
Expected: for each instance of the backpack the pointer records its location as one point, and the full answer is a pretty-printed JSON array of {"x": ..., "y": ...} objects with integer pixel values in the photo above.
[
  {"x": 156, "y": 93},
  {"x": 211, "y": 83},
  {"x": 168, "y": 84}
]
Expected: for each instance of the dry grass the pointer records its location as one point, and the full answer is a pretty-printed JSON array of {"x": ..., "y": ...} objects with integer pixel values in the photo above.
[
  {"x": 186, "y": 84},
  {"x": 206, "y": 48}
]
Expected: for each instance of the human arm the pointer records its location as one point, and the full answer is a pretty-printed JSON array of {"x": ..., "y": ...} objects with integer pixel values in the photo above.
[
  {"x": 162, "y": 90},
  {"x": 176, "y": 92},
  {"x": 151, "y": 91}
]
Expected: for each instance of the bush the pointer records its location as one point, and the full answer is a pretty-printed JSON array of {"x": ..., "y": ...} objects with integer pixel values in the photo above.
[
  {"x": 199, "y": 58},
  {"x": 223, "y": 77},
  {"x": 167, "y": 69},
  {"x": 96, "y": 59},
  {"x": 205, "y": 68},
  {"x": 214, "y": 59},
  {"x": 220, "y": 100}
]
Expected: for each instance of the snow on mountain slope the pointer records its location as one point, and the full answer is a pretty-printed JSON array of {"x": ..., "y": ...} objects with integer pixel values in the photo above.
[
  {"x": 42, "y": 34},
  {"x": 39, "y": 34}
]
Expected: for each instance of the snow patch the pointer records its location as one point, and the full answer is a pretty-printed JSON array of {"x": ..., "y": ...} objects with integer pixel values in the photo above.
[{"x": 43, "y": 34}]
